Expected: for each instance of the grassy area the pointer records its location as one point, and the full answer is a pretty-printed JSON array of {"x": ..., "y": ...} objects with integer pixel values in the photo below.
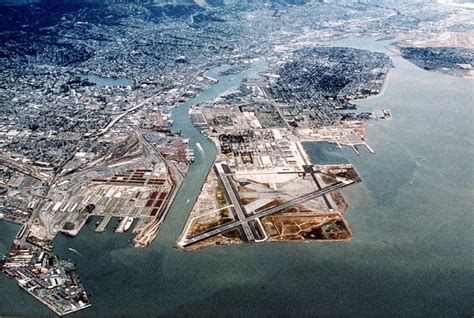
[{"x": 220, "y": 198}]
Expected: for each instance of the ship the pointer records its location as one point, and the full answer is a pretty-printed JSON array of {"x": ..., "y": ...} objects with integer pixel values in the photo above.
[{"x": 128, "y": 224}]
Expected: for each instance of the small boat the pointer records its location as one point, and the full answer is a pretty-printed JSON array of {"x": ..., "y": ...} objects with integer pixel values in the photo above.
[
  {"x": 198, "y": 145},
  {"x": 73, "y": 250},
  {"x": 128, "y": 224}
]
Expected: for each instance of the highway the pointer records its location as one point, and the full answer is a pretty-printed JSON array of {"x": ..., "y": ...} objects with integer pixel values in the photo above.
[
  {"x": 125, "y": 113},
  {"x": 128, "y": 111},
  {"x": 296, "y": 201}
]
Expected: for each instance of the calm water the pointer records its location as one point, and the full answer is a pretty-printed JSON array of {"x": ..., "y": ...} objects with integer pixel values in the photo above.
[
  {"x": 325, "y": 153},
  {"x": 412, "y": 254}
]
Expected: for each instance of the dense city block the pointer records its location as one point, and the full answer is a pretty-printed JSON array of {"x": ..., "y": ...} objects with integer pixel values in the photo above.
[
  {"x": 320, "y": 82},
  {"x": 456, "y": 61}
]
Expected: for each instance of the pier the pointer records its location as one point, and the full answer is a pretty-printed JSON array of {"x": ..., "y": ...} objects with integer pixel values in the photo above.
[
  {"x": 124, "y": 225},
  {"x": 121, "y": 226},
  {"x": 103, "y": 224}
]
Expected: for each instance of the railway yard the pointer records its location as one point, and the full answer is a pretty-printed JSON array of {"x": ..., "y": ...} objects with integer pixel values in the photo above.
[{"x": 131, "y": 180}]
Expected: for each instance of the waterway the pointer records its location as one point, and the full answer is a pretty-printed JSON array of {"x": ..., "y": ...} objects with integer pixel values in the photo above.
[{"x": 411, "y": 217}]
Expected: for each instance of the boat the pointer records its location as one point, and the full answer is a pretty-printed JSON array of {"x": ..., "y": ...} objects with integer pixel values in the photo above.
[
  {"x": 128, "y": 224},
  {"x": 73, "y": 250},
  {"x": 198, "y": 145}
]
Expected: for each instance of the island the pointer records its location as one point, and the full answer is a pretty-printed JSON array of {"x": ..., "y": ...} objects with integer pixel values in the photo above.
[{"x": 263, "y": 186}]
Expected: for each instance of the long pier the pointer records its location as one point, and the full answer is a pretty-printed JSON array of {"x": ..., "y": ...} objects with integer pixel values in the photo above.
[{"x": 103, "y": 224}]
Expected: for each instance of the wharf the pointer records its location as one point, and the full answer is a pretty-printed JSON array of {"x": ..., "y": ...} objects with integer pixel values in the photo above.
[
  {"x": 140, "y": 224},
  {"x": 55, "y": 309},
  {"x": 121, "y": 226},
  {"x": 103, "y": 224},
  {"x": 124, "y": 225},
  {"x": 372, "y": 151}
]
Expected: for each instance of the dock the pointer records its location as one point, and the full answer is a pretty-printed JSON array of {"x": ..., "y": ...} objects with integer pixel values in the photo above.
[
  {"x": 103, "y": 224},
  {"x": 21, "y": 232},
  {"x": 140, "y": 224},
  {"x": 124, "y": 225},
  {"x": 56, "y": 310},
  {"x": 121, "y": 225},
  {"x": 372, "y": 151}
]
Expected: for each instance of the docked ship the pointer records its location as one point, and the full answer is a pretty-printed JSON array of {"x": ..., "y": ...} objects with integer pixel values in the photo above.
[{"x": 128, "y": 224}]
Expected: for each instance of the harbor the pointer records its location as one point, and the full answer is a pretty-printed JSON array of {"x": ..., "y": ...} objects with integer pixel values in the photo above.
[{"x": 396, "y": 215}]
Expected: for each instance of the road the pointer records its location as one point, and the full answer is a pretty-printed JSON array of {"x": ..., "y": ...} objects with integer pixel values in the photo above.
[{"x": 125, "y": 113}]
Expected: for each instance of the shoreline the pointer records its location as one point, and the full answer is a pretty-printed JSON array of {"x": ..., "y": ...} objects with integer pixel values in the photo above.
[
  {"x": 384, "y": 87},
  {"x": 51, "y": 307}
]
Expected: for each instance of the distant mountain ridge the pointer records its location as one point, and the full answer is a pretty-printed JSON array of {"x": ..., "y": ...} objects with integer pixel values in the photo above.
[
  {"x": 210, "y": 3},
  {"x": 233, "y": 2}
]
